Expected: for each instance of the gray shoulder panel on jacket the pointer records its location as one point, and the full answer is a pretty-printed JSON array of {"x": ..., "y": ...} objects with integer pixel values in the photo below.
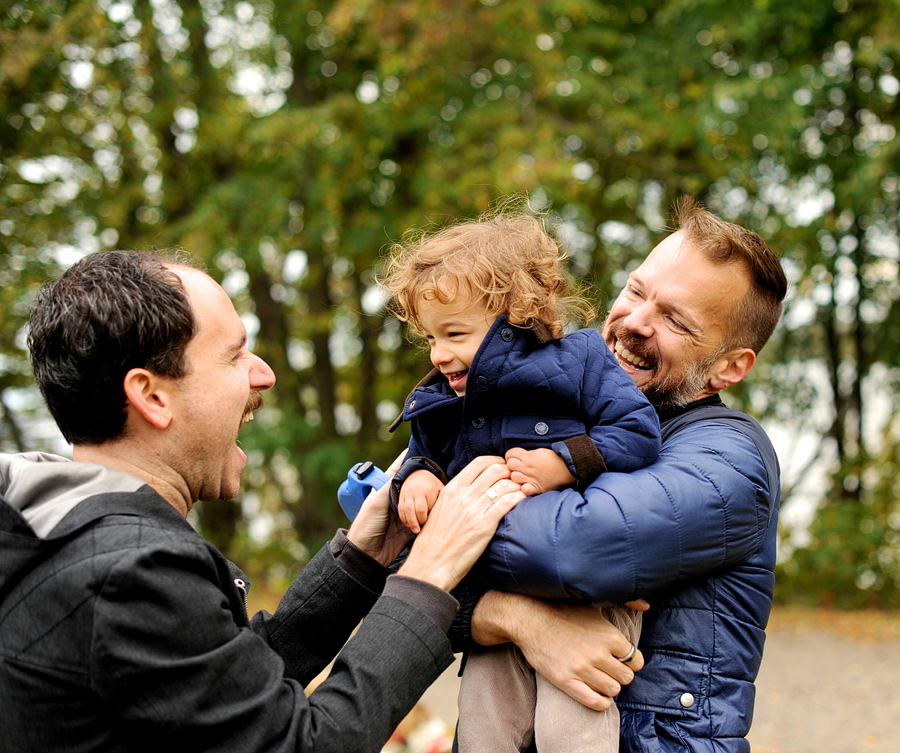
[{"x": 45, "y": 488}]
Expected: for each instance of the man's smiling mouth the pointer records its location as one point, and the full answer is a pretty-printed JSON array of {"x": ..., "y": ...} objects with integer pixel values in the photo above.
[
  {"x": 632, "y": 359},
  {"x": 254, "y": 403}
]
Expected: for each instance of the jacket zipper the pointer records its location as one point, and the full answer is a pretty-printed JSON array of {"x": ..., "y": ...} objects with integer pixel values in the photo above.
[{"x": 242, "y": 589}]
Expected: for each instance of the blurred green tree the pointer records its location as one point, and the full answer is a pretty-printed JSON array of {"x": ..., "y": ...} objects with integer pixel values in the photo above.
[{"x": 288, "y": 143}]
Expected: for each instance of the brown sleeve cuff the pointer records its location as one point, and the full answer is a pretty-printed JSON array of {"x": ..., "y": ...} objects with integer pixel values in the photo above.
[
  {"x": 588, "y": 461},
  {"x": 365, "y": 570},
  {"x": 439, "y": 605}
]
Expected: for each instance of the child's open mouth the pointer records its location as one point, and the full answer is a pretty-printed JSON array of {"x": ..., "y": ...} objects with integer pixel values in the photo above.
[{"x": 457, "y": 380}]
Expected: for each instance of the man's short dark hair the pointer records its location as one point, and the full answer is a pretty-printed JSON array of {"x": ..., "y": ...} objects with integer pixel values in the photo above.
[
  {"x": 109, "y": 313},
  {"x": 758, "y": 312}
]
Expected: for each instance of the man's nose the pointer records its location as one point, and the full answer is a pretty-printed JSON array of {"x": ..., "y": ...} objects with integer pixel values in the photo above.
[
  {"x": 639, "y": 320},
  {"x": 261, "y": 375}
]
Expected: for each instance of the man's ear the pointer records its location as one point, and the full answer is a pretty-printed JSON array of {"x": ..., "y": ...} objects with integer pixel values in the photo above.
[
  {"x": 148, "y": 394},
  {"x": 731, "y": 368}
]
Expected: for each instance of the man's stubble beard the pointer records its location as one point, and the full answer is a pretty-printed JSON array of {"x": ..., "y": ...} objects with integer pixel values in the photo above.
[{"x": 677, "y": 389}]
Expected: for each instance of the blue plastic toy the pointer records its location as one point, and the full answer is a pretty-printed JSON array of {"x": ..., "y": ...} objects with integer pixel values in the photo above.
[{"x": 361, "y": 479}]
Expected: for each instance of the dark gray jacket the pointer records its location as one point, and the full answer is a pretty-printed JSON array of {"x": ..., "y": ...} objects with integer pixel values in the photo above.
[{"x": 122, "y": 629}]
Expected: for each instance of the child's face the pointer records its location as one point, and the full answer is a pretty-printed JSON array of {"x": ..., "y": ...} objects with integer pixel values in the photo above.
[{"x": 454, "y": 331}]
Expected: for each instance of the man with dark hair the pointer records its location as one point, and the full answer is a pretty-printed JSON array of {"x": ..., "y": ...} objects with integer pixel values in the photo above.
[
  {"x": 121, "y": 629},
  {"x": 118, "y": 311},
  {"x": 694, "y": 533}
]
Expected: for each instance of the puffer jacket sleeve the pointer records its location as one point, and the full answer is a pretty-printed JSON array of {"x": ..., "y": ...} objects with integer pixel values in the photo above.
[
  {"x": 702, "y": 505},
  {"x": 623, "y": 425}
]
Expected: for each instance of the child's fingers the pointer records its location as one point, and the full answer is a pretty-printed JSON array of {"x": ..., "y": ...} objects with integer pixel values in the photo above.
[
  {"x": 407, "y": 516},
  {"x": 514, "y": 457},
  {"x": 422, "y": 510},
  {"x": 520, "y": 477}
]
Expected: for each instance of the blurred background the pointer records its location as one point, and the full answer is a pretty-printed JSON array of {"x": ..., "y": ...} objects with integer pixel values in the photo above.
[{"x": 289, "y": 143}]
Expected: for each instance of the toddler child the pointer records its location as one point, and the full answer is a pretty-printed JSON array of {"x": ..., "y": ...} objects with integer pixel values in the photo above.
[{"x": 492, "y": 300}]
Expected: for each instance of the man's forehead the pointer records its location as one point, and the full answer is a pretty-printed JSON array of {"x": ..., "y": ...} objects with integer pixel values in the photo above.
[
  {"x": 213, "y": 310},
  {"x": 670, "y": 251},
  {"x": 188, "y": 275},
  {"x": 686, "y": 279}
]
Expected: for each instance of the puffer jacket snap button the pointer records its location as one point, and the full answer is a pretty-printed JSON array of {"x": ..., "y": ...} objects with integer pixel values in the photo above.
[
  {"x": 687, "y": 700},
  {"x": 506, "y": 334},
  {"x": 477, "y": 422},
  {"x": 481, "y": 382},
  {"x": 541, "y": 428}
]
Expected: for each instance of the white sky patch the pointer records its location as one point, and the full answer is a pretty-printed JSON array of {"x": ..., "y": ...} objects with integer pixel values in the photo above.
[
  {"x": 81, "y": 74},
  {"x": 296, "y": 265},
  {"x": 300, "y": 354},
  {"x": 374, "y": 299},
  {"x": 889, "y": 84},
  {"x": 235, "y": 281},
  {"x": 583, "y": 171},
  {"x": 616, "y": 232},
  {"x": 251, "y": 322},
  {"x": 368, "y": 92}
]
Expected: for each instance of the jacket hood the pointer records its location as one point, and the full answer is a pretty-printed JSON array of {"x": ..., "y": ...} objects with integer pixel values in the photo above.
[
  {"x": 37, "y": 491},
  {"x": 44, "y": 488}
]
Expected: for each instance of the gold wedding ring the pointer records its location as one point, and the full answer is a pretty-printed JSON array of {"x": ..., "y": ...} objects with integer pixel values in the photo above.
[{"x": 491, "y": 494}]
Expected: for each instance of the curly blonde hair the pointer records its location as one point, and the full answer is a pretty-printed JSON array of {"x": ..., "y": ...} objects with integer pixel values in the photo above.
[{"x": 506, "y": 259}]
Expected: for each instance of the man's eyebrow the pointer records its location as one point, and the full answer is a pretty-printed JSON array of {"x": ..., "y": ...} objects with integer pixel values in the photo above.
[
  {"x": 689, "y": 319},
  {"x": 238, "y": 346}
]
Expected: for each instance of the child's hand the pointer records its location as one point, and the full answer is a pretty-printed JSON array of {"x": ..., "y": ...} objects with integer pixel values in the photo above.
[
  {"x": 538, "y": 470},
  {"x": 417, "y": 496}
]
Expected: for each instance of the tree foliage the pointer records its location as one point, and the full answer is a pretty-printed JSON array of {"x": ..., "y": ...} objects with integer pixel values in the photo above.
[{"x": 287, "y": 144}]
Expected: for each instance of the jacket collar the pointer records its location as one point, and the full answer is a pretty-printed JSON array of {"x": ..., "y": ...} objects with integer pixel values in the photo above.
[{"x": 671, "y": 412}]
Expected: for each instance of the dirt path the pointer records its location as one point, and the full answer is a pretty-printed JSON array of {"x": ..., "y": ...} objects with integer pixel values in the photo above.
[{"x": 829, "y": 683}]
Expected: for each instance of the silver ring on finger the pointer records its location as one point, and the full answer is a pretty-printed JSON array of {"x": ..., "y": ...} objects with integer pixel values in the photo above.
[
  {"x": 629, "y": 657},
  {"x": 491, "y": 494}
]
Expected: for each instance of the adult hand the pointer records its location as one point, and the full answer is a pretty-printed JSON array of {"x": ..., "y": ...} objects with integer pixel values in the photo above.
[
  {"x": 572, "y": 645},
  {"x": 376, "y": 530},
  {"x": 462, "y": 522}
]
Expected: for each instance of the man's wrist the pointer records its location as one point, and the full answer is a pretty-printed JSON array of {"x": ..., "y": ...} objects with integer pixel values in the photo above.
[
  {"x": 424, "y": 571},
  {"x": 358, "y": 564},
  {"x": 496, "y": 617}
]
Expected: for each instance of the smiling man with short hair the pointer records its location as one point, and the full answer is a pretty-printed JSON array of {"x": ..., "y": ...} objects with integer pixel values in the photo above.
[{"x": 693, "y": 533}]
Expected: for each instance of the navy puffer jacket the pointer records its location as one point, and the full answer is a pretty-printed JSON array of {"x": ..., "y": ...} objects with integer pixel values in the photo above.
[{"x": 695, "y": 534}]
